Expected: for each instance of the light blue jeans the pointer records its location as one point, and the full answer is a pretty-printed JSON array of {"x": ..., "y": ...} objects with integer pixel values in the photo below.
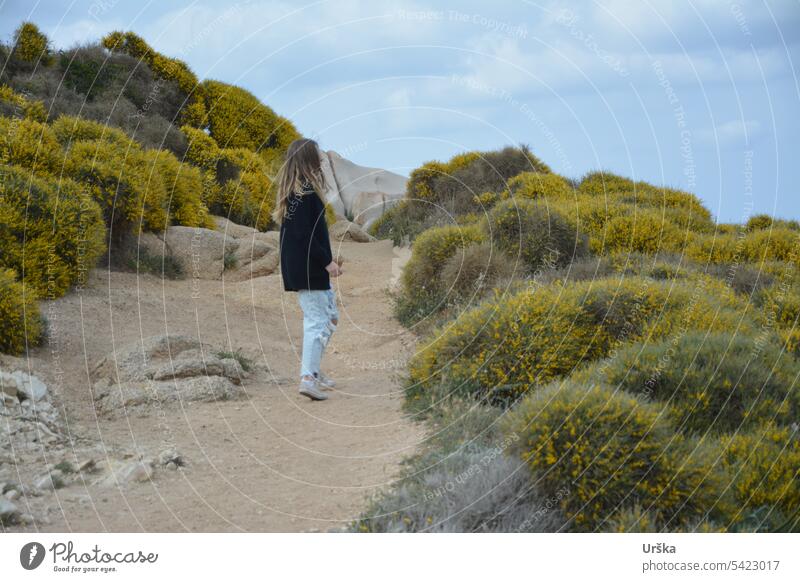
[{"x": 319, "y": 312}]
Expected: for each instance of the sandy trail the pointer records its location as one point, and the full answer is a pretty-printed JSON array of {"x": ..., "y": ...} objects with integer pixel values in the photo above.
[{"x": 272, "y": 462}]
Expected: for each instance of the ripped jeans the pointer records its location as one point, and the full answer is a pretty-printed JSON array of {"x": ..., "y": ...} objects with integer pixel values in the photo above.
[{"x": 319, "y": 315}]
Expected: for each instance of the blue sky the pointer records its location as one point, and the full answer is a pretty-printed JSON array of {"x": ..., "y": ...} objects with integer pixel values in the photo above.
[{"x": 702, "y": 95}]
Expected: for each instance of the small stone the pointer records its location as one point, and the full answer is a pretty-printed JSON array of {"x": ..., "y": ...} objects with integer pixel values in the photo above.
[
  {"x": 8, "y": 511},
  {"x": 12, "y": 495},
  {"x": 26, "y": 519},
  {"x": 172, "y": 466},
  {"x": 51, "y": 481},
  {"x": 88, "y": 466},
  {"x": 139, "y": 471}
]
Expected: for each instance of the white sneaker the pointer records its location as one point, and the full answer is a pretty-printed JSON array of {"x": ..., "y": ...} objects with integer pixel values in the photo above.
[
  {"x": 324, "y": 382},
  {"x": 309, "y": 389}
]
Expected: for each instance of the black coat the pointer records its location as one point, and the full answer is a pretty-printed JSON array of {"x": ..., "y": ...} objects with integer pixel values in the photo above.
[{"x": 305, "y": 246}]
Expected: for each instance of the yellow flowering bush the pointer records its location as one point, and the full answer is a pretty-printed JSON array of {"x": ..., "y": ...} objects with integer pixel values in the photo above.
[
  {"x": 764, "y": 468},
  {"x": 535, "y": 185},
  {"x": 30, "y": 44},
  {"x": 184, "y": 186},
  {"x": 236, "y": 119},
  {"x": 20, "y": 322},
  {"x": 248, "y": 194},
  {"x": 13, "y": 104},
  {"x": 194, "y": 112},
  {"x": 29, "y": 144},
  {"x": 69, "y": 129},
  {"x": 611, "y": 450},
  {"x": 530, "y": 232},
  {"x": 711, "y": 382},
  {"x": 501, "y": 348},
  {"x": 431, "y": 250},
  {"x": 51, "y": 231},
  {"x": 202, "y": 150},
  {"x": 642, "y": 231},
  {"x": 119, "y": 180}
]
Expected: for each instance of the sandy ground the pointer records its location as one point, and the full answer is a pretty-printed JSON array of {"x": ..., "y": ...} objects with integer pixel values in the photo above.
[{"x": 272, "y": 462}]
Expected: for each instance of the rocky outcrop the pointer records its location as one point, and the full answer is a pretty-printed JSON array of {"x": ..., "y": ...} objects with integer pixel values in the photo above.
[
  {"x": 342, "y": 230},
  {"x": 359, "y": 192},
  {"x": 162, "y": 370},
  {"x": 234, "y": 251}
]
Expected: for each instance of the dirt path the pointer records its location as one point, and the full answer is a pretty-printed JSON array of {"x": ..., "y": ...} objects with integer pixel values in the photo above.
[{"x": 272, "y": 462}]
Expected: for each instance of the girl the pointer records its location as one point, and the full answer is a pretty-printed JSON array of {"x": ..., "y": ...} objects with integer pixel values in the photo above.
[{"x": 306, "y": 259}]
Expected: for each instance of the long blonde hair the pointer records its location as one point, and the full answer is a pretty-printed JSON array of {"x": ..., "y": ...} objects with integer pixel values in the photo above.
[{"x": 302, "y": 168}]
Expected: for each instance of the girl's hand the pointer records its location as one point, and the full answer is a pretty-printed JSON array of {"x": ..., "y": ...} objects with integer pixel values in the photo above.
[{"x": 334, "y": 270}]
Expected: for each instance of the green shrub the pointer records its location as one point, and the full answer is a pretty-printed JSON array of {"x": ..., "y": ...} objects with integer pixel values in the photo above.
[
  {"x": 51, "y": 231},
  {"x": 21, "y": 325},
  {"x": 473, "y": 271},
  {"x": 527, "y": 231},
  {"x": 431, "y": 250},
  {"x": 764, "y": 468},
  {"x": 613, "y": 451},
  {"x": 504, "y": 346},
  {"x": 717, "y": 382},
  {"x": 439, "y": 192},
  {"x": 765, "y": 222}
]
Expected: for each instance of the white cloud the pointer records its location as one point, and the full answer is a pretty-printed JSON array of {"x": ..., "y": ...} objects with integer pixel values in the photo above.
[{"x": 730, "y": 133}]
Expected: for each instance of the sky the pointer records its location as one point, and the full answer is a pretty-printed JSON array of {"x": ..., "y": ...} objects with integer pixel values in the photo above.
[{"x": 701, "y": 95}]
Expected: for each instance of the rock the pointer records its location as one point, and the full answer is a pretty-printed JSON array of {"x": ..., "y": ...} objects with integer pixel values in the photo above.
[
  {"x": 135, "y": 361},
  {"x": 352, "y": 180},
  {"x": 194, "y": 363},
  {"x": 8, "y": 511},
  {"x": 171, "y": 466},
  {"x": 367, "y": 207},
  {"x": 201, "y": 388},
  {"x": 12, "y": 495},
  {"x": 251, "y": 249},
  {"x": 231, "y": 229},
  {"x": 8, "y": 385},
  {"x": 199, "y": 251},
  {"x": 30, "y": 387},
  {"x": 271, "y": 237},
  {"x": 138, "y": 471},
  {"x": 88, "y": 466},
  {"x": 262, "y": 267},
  {"x": 343, "y": 230},
  {"x": 53, "y": 480},
  {"x": 26, "y": 519},
  {"x": 170, "y": 457},
  {"x": 332, "y": 196},
  {"x": 164, "y": 369}
]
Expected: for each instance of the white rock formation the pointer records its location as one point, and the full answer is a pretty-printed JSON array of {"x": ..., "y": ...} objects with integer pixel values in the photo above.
[{"x": 360, "y": 193}]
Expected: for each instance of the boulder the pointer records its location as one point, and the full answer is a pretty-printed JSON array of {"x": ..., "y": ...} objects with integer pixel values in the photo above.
[
  {"x": 365, "y": 192},
  {"x": 165, "y": 369},
  {"x": 367, "y": 207},
  {"x": 121, "y": 397},
  {"x": 233, "y": 230},
  {"x": 199, "y": 251},
  {"x": 22, "y": 386},
  {"x": 251, "y": 249},
  {"x": 138, "y": 360},
  {"x": 342, "y": 230},
  {"x": 332, "y": 196},
  {"x": 262, "y": 267},
  {"x": 8, "y": 511}
]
